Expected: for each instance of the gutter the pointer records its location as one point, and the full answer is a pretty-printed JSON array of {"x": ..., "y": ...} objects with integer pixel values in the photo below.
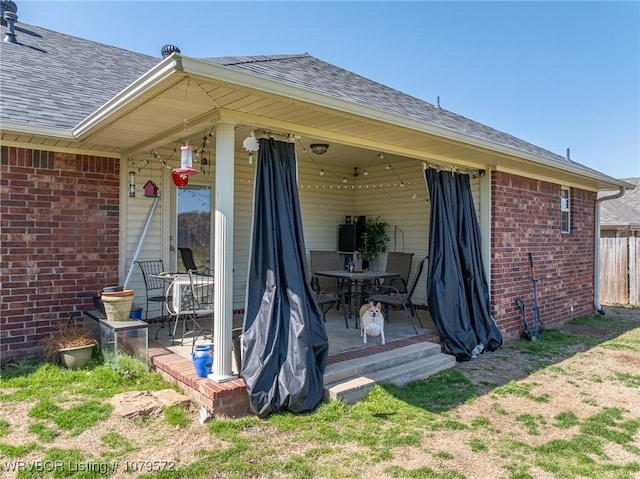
[
  {"x": 596, "y": 269},
  {"x": 106, "y": 113},
  {"x": 36, "y": 130}
]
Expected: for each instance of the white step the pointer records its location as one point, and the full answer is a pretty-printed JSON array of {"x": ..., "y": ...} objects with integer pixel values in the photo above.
[
  {"x": 360, "y": 366},
  {"x": 352, "y": 380}
]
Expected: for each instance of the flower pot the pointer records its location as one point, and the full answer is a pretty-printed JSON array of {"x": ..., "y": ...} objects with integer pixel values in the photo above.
[
  {"x": 76, "y": 358},
  {"x": 117, "y": 306}
]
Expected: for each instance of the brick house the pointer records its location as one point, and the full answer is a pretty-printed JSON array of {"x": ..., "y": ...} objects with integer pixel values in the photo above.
[{"x": 77, "y": 118}]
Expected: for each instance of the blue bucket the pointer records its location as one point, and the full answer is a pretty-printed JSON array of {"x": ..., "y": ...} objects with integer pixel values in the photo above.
[{"x": 203, "y": 359}]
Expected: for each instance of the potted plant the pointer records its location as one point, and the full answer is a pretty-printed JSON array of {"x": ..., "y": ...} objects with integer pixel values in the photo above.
[
  {"x": 374, "y": 240},
  {"x": 71, "y": 345}
]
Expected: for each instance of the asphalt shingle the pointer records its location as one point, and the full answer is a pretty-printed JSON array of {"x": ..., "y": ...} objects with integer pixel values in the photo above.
[
  {"x": 55, "y": 80},
  {"x": 622, "y": 211}
]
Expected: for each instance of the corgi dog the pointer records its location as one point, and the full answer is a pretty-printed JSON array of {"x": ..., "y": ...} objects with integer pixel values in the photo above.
[{"x": 371, "y": 321}]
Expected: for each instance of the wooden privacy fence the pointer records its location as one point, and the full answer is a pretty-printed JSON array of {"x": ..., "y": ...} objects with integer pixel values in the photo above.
[{"x": 619, "y": 271}]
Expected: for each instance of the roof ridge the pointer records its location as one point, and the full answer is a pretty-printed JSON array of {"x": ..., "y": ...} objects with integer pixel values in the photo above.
[{"x": 270, "y": 58}]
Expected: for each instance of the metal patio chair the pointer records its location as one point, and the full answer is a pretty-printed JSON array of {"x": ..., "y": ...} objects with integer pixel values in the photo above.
[
  {"x": 390, "y": 296},
  {"x": 328, "y": 290},
  {"x": 399, "y": 263},
  {"x": 154, "y": 287},
  {"x": 191, "y": 300},
  {"x": 189, "y": 263}
]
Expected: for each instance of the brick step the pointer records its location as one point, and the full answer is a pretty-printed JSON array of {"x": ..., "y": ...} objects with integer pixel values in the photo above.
[{"x": 412, "y": 364}]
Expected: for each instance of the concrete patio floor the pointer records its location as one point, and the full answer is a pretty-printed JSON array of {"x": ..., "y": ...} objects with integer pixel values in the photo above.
[
  {"x": 229, "y": 398},
  {"x": 341, "y": 339}
]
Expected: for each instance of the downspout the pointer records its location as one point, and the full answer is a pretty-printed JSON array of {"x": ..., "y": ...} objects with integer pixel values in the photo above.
[{"x": 596, "y": 269}]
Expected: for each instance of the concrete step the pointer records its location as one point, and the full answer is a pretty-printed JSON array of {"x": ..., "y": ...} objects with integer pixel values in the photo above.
[
  {"x": 409, "y": 365},
  {"x": 362, "y": 366}
]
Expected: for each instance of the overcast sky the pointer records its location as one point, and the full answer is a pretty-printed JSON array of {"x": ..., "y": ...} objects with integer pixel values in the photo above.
[{"x": 556, "y": 74}]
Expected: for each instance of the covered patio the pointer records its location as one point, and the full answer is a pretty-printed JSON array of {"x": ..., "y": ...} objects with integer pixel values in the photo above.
[{"x": 372, "y": 164}]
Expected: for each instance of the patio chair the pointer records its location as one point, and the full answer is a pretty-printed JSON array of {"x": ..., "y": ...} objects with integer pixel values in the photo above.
[
  {"x": 154, "y": 287},
  {"x": 328, "y": 290},
  {"x": 390, "y": 296},
  {"x": 191, "y": 301},
  {"x": 399, "y": 263},
  {"x": 189, "y": 263}
]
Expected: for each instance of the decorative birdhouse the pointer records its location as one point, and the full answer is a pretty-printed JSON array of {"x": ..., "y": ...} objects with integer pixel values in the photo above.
[{"x": 150, "y": 189}]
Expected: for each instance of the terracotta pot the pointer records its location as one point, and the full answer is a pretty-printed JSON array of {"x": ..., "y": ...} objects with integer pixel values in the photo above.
[{"x": 118, "y": 294}]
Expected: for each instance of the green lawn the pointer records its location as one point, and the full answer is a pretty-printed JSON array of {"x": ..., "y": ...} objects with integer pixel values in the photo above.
[{"x": 566, "y": 419}]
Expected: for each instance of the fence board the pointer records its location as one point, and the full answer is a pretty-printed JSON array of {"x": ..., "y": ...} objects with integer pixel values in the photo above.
[
  {"x": 634, "y": 271},
  {"x": 619, "y": 271}
]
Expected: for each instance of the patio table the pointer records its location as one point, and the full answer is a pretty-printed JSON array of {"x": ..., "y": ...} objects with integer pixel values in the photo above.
[{"x": 356, "y": 280}]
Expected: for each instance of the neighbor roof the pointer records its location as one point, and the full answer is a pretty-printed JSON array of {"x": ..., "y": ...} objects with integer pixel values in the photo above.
[
  {"x": 51, "y": 79},
  {"x": 623, "y": 211}
]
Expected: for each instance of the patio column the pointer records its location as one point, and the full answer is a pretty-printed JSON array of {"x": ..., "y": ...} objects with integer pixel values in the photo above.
[{"x": 223, "y": 253}]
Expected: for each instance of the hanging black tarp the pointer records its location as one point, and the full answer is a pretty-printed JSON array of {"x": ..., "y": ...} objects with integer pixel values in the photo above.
[
  {"x": 457, "y": 289},
  {"x": 285, "y": 346}
]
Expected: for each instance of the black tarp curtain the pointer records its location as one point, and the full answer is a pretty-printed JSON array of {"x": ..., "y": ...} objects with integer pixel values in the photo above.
[
  {"x": 285, "y": 347},
  {"x": 457, "y": 290}
]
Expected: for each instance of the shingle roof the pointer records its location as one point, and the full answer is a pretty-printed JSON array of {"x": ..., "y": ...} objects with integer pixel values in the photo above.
[
  {"x": 622, "y": 211},
  {"x": 305, "y": 71},
  {"x": 55, "y": 80}
]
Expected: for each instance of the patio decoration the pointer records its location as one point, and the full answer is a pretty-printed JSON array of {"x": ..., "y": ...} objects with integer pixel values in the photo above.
[
  {"x": 181, "y": 175},
  {"x": 251, "y": 144},
  {"x": 132, "y": 184},
  {"x": 150, "y": 189},
  {"x": 117, "y": 305},
  {"x": 202, "y": 153},
  {"x": 374, "y": 239},
  {"x": 71, "y": 345}
]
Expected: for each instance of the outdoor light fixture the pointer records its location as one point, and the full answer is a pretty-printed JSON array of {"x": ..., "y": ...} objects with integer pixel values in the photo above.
[
  {"x": 132, "y": 184},
  {"x": 322, "y": 172},
  {"x": 319, "y": 148}
]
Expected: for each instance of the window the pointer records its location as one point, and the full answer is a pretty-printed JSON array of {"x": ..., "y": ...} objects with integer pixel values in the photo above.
[{"x": 565, "y": 209}]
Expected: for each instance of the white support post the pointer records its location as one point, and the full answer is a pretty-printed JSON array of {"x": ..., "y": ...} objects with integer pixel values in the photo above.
[{"x": 223, "y": 253}]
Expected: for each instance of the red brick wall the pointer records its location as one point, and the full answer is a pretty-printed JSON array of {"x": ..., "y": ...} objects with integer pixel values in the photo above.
[
  {"x": 59, "y": 236},
  {"x": 526, "y": 219}
]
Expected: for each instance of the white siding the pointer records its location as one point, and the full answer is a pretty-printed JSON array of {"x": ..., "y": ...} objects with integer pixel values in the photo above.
[
  {"x": 325, "y": 201},
  {"x": 136, "y": 213}
]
